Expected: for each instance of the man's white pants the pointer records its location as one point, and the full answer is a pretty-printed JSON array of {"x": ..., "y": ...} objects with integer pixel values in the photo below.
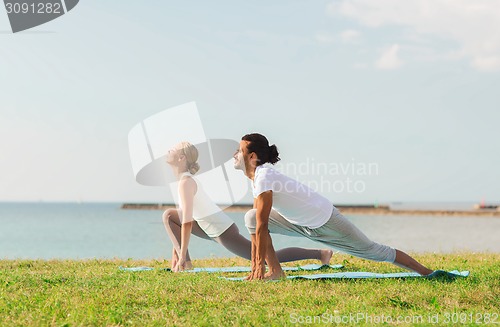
[{"x": 338, "y": 233}]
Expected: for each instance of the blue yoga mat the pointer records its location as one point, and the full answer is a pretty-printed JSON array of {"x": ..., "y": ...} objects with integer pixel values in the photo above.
[
  {"x": 310, "y": 267},
  {"x": 136, "y": 268},
  {"x": 365, "y": 275},
  {"x": 248, "y": 269}
]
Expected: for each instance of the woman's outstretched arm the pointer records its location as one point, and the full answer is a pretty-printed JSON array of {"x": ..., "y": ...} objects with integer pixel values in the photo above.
[
  {"x": 167, "y": 217},
  {"x": 187, "y": 190},
  {"x": 185, "y": 236}
]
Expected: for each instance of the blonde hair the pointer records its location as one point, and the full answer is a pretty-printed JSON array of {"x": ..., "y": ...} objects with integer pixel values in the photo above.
[{"x": 191, "y": 153}]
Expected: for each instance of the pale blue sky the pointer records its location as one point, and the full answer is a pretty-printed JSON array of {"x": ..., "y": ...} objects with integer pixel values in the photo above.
[{"x": 412, "y": 87}]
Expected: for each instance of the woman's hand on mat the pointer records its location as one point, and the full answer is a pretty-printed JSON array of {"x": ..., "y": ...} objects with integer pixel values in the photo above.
[
  {"x": 181, "y": 265},
  {"x": 175, "y": 259}
]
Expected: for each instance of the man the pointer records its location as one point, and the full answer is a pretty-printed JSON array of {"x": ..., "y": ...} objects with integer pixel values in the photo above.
[{"x": 283, "y": 205}]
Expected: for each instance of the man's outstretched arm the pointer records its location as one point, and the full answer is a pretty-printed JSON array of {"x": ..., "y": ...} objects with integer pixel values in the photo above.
[{"x": 263, "y": 205}]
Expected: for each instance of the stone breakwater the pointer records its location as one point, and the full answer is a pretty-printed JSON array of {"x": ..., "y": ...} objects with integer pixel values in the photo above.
[{"x": 345, "y": 209}]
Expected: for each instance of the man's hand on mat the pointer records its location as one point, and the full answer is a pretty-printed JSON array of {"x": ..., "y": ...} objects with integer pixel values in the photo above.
[
  {"x": 260, "y": 273},
  {"x": 257, "y": 274},
  {"x": 252, "y": 275}
]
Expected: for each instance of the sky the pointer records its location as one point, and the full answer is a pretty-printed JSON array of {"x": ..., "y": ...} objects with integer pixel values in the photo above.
[{"x": 410, "y": 89}]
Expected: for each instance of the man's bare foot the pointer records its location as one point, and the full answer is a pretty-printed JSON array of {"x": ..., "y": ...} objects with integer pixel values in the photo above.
[
  {"x": 189, "y": 265},
  {"x": 326, "y": 255},
  {"x": 274, "y": 275}
]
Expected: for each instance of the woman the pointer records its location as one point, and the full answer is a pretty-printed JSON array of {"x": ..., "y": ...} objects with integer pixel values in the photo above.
[{"x": 199, "y": 215}]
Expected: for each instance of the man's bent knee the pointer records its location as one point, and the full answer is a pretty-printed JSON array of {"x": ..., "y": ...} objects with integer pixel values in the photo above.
[{"x": 251, "y": 220}]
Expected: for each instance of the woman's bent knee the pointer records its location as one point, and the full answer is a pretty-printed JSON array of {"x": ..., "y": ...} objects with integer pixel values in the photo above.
[{"x": 167, "y": 214}]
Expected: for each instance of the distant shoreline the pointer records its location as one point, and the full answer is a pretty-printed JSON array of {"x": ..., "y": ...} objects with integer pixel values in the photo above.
[{"x": 345, "y": 209}]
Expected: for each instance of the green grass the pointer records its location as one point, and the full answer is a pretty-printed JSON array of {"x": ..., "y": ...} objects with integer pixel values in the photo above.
[{"x": 97, "y": 293}]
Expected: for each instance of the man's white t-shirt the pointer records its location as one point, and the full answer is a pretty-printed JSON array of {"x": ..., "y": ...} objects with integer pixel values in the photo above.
[{"x": 296, "y": 202}]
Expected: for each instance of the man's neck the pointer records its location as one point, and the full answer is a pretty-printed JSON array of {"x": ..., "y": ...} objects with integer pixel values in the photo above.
[{"x": 250, "y": 172}]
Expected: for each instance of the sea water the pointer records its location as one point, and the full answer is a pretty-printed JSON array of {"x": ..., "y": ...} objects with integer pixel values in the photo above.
[{"x": 104, "y": 230}]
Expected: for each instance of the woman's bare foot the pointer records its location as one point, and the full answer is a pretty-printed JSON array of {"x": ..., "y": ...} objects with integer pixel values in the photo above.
[
  {"x": 326, "y": 255},
  {"x": 189, "y": 265}
]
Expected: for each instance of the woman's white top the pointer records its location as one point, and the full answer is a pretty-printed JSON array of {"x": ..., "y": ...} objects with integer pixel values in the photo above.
[{"x": 207, "y": 214}]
